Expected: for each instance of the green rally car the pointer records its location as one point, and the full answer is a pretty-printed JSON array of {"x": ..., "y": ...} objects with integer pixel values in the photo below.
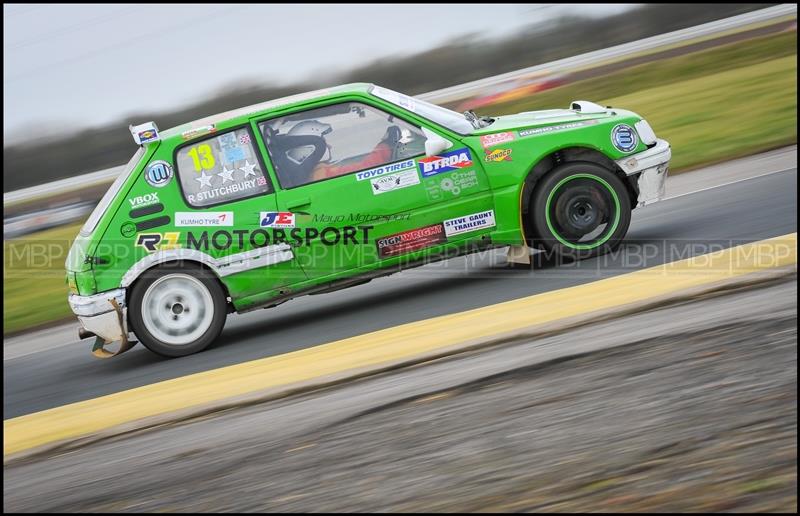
[{"x": 329, "y": 189}]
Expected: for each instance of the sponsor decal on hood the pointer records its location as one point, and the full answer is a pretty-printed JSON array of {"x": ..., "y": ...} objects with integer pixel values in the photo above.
[{"x": 552, "y": 128}]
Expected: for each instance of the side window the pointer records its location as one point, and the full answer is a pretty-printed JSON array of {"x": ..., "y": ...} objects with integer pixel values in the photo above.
[
  {"x": 221, "y": 169},
  {"x": 336, "y": 140}
]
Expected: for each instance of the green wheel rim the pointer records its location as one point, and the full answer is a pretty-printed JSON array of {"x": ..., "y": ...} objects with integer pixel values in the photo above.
[{"x": 609, "y": 231}]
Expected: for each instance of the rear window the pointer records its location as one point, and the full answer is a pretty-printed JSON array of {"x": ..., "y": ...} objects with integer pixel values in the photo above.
[
  {"x": 221, "y": 169},
  {"x": 94, "y": 218}
]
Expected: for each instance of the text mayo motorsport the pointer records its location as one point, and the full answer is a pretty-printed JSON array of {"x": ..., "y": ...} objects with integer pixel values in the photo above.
[
  {"x": 223, "y": 239},
  {"x": 360, "y": 217}
]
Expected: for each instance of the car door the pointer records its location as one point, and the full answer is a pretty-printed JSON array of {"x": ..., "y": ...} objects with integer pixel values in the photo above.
[
  {"x": 360, "y": 189},
  {"x": 223, "y": 189}
]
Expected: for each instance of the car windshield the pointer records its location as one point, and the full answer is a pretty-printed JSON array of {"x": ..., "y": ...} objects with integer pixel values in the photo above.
[
  {"x": 437, "y": 114},
  {"x": 94, "y": 218}
]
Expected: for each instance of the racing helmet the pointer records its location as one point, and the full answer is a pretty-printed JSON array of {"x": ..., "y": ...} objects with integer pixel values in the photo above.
[{"x": 307, "y": 128}]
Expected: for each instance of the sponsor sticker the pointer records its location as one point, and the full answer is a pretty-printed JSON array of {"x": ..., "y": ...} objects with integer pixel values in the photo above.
[
  {"x": 412, "y": 240},
  {"x": 407, "y": 102},
  {"x": 198, "y": 131},
  {"x": 144, "y": 133},
  {"x": 385, "y": 169},
  {"x": 447, "y": 162},
  {"x": 552, "y": 128},
  {"x": 158, "y": 174},
  {"x": 276, "y": 219},
  {"x": 144, "y": 200},
  {"x": 231, "y": 150},
  {"x": 227, "y": 140},
  {"x": 474, "y": 222},
  {"x": 223, "y": 239},
  {"x": 498, "y": 155},
  {"x": 450, "y": 186},
  {"x": 233, "y": 154},
  {"x": 359, "y": 217},
  {"x": 128, "y": 229},
  {"x": 624, "y": 138},
  {"x": 496, "y": 139},
  {"x": 153, "y": 242},
  {"x": 148, "y": 136},
  {"x": 383, "y": 184},
  {"x": 208, "y": 218}
]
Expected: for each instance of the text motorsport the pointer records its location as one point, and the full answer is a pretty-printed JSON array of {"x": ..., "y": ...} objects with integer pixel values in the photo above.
[{"x": 223, "y": 239}]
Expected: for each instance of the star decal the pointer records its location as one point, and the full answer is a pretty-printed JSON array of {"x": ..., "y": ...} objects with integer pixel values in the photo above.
[
  {"x": 226, "y": 175},
  {"x": 204, "y": 180},
  {"x": 248, "y": 169}
]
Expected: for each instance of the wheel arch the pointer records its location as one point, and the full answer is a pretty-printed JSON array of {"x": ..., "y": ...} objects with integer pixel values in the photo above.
[
  {"x": 553, "y": 159},
  {"x": 185, "y": 257}
]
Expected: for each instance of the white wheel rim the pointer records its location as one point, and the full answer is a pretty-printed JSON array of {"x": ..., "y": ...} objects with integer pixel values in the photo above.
[{"x": 177, "y": 309}]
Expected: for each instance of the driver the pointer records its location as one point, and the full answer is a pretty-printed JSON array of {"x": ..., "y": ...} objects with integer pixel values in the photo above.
[{"x": 379, "y": 155}]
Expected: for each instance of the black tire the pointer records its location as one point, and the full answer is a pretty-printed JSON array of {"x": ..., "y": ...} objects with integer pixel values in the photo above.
[
  {"x": 163, "y": 322},
  {"x": 579, "y": 210}
]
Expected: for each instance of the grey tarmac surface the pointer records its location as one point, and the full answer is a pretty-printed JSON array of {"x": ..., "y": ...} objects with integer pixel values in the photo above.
[
  {"x": 689, "y": 407},
  {"x": 60, "y": 370}
]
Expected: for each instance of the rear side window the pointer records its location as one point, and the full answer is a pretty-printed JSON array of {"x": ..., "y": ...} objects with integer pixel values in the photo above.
[{"x": 221, "y": 169}]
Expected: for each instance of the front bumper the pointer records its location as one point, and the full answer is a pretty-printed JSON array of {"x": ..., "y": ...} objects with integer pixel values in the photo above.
[
  {"x": 105, "y": 315},
  {"x": 649, "y": 168}
]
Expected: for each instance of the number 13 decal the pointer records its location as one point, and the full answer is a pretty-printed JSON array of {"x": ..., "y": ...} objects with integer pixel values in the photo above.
[{"x": 203, "y": 157}]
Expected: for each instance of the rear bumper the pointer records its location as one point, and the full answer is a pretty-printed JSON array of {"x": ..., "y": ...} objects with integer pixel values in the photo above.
[
  {"x": 99, "y": 315},
  {"x": 649, "y": 168}
]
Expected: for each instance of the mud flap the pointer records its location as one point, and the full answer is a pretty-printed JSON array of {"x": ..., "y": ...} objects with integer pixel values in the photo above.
[
  {"x": 99, "y": 349},
  {"x": 519, "y": 255}
]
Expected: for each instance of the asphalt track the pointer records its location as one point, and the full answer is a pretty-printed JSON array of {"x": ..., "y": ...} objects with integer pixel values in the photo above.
[
  {"x": 684, "y": 226},
  {"x": 689, "y": 407}
]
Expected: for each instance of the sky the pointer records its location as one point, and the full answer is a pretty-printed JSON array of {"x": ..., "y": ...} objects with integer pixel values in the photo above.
[{"x": 87, "y": 65}]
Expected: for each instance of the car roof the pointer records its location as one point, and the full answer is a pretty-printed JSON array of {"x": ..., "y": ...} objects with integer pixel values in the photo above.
[{"x": 262, "y": 107}]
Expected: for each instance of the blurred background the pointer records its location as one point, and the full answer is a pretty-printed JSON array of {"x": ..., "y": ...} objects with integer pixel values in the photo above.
[{"x": 76, "y": 76}]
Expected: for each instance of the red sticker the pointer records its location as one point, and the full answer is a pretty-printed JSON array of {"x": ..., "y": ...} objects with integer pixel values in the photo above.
[
  {"x": 412, "y": 240},
  {"x": 496, "y": 139}
]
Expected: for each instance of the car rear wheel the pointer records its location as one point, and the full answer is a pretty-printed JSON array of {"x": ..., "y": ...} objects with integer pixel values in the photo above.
[
  {"x": 176, "y": 312},
  {"x": 580, "y": 210}
]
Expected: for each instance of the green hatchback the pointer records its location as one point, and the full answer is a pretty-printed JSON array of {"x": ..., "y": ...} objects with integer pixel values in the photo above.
[{"x": 329, "y": 189}]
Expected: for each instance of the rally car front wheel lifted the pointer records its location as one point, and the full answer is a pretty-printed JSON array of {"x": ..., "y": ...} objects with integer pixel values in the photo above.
[
  {"x": 580, "y": 210},
  {"x": 177, "y": 312}
]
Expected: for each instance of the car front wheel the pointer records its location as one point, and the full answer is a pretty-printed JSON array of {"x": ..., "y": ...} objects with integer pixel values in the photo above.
[
  {"x": 176, "y": 312},
  {"x": 580, "y": 210}
]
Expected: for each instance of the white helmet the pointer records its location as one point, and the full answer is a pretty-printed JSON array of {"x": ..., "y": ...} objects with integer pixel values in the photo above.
[{"x": 309, "y": 128}]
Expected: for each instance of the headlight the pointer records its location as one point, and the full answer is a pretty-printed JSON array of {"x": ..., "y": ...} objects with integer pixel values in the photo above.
[{"x": 645, "y": 132}]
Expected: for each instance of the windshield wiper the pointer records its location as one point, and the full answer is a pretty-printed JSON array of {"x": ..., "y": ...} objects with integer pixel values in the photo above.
[
  {"x": 477, "y": 122},
  {"x": 472, "y": 118}
]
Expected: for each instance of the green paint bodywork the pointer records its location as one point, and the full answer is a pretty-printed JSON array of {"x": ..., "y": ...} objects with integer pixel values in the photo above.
[{"x": 100, "y": 259}]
